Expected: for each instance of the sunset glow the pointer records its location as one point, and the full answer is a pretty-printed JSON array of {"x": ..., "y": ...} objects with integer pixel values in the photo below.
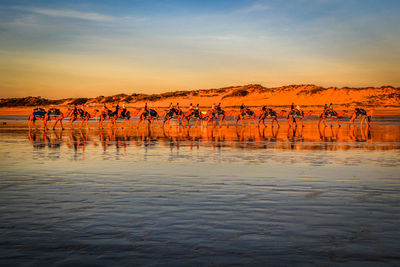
[{"x": 56, "y": 49}]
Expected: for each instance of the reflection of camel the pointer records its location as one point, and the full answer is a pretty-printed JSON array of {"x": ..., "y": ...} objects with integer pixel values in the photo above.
[
  {"x": 296, "y": 114},
  {"x": 295, "y": 134},
  {"x": 43, "y": 139},
  {"x": 365, "y": 134},
  {"x": 330, "y": 113},
  {"x": 363, "y": 114},
  {"x": 267, "y": 113},
  {"x": 272, "y": 137},
  {"x": 38, "y": 142},
  {"x": 78, "y": 139},
  {"x": 331, "y": 138}
]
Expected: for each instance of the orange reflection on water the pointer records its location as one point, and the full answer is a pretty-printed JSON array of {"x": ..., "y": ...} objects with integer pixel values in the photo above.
[{"x": 310, "y": 137}]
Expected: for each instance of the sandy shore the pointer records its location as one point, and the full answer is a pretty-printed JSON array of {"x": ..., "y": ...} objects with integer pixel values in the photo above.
[{"x": 378, "y": 111}]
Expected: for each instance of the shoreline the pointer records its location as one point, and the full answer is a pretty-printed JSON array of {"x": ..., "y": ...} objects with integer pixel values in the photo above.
[{"x": 378, "y": 111}]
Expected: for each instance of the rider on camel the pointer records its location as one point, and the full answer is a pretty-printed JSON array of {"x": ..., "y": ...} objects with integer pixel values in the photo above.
[
  {"x": 242, "y": 109},
  {"x": 116, "y": 108},
  {"x": 75, "y": 111},
  {"x": 299, "y": 110},
  {"x": 178, "y": 109},
  {"x": 197, "y": 110},
  {"x": 123, "y": 110},
  {"x": 218, "y": 108}
]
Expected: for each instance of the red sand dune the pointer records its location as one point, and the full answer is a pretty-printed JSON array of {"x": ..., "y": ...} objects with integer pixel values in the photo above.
[{"x": 251, "y": 95}]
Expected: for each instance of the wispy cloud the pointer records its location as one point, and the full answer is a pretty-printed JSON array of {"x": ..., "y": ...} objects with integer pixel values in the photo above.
[
  {"x": 256, "y": 7},
  {"x": 69, "y": 13}
]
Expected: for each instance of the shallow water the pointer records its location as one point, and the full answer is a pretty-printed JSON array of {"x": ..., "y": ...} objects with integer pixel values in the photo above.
[{"x": 204, "y": 196}]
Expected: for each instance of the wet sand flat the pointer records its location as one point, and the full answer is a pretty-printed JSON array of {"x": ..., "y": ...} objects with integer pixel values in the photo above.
[{"x": 200, "y": 196}]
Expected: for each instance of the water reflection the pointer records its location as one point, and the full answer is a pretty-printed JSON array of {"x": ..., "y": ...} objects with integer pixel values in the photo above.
[
  {"x": 214, "y": 195},
  {"x": 333, "y": 138}
]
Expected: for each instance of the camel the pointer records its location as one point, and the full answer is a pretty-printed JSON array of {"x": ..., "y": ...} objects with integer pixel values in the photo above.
[
  {"x": 330, "y": 113},
  {"x": 80, "y": 114},
  {"x": 121, "y": 114},
  {"x": 363, "y": 114},
  {"x": 195, "y": 113},
  {"x": 172, "y": 113},
  {"x": 38, "y": 114},
  {"x": 108, "y": 114},
  {"x": 295, "y": 114},
  {"x": 246, "y": 113},
  {"x": 150, "y": 116},
  {"x": 210, "y": 115},
  {"x": 270, "y": 114},
  {"x": 55, "y": 114}
]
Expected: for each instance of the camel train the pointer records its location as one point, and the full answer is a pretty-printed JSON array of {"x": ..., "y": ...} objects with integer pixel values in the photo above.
[
  {"x": 45, "y": 116},
  {"x": 294, "y": 117}
]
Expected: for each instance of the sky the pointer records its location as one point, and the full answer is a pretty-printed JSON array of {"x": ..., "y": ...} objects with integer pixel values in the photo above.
[{"x": 59, "y": 49}]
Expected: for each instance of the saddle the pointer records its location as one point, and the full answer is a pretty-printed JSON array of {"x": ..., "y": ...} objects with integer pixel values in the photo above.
[
  {"x": 171, "y": 112},
  {"x": 82, "y": 113},
  {"x": 153, "y": 113},
  {"x": 125, "y": 113},
  {"x": 296, "y": 113},
  {"x": 39, "y": 113},
  {"x": 248, "y": 112},
  {"x": 330, "y": 113},
  {"x": 361, "y": 112},
  {"x": 271, "y": 113},
  {"x": 55, "y": 112}
]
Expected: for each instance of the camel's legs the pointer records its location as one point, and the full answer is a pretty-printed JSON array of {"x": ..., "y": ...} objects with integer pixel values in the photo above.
[
  {"x": 254, "y": 119},
  {"x": 54, "y": 126},
  {"x": 352, "y": 119},
  {"x": 226, "y": 122}
]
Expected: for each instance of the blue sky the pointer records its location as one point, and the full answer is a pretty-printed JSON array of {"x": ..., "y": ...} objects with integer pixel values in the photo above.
[{"x": 90, "y": 48}]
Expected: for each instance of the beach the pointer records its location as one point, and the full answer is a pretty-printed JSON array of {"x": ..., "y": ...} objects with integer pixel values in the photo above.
[{"x": 205, "y": 195}]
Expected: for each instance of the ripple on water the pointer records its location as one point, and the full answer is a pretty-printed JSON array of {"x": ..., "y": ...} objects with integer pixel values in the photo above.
[{"x": 130, "y": 201}]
